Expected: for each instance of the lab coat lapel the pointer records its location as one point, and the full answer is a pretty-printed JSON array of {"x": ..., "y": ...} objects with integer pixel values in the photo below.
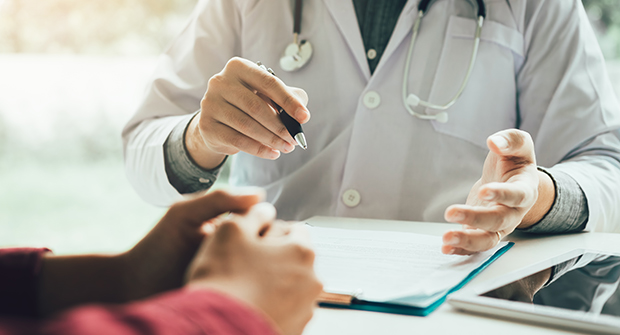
[
  {"x": 343, "y": 14},
  {"x": 402, "y": 29}
]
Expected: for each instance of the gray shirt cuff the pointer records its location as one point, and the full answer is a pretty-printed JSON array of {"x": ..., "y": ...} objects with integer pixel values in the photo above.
[
  {"x": 569, "y": 212},
  {"x": 183, "y": 173}
]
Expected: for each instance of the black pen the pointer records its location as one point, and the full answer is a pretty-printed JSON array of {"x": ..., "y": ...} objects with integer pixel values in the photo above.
[{"x": 293, "y": 127}]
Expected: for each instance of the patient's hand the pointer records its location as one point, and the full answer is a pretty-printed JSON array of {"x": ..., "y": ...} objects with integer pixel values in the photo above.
[
  {"x": 157, "y": 263},
  {"x": 160, "y": 260},
  {"x": 265, "y": 264}
]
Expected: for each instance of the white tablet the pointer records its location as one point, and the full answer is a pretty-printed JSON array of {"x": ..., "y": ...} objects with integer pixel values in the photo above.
[{"x": 577, "y": 291}]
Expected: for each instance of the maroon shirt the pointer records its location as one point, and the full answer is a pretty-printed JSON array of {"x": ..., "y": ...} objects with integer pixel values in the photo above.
[{"x": 177, "y": 312}]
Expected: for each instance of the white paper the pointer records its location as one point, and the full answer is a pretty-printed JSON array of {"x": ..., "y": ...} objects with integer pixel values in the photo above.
[{"x": 385, "y": 266}]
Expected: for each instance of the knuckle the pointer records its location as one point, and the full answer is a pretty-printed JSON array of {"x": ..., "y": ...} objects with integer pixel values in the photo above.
[
  {"x": 466, "y": 241},
  {"x": 270, "y": 82},
  {"x": 290, "y": 101},
  {"x": 282, "y": 131},
  {"x": 244, "y": 124},
  {"x": 303, "y": 253},
  {"x": 274, "y": 141},
  {"x": 471, "y": 220},
  {"x": 227, "y": 230},
  {"x": 515, "y": 137},
  {"x": 216, "y": 81},
  {"x": 262, "y": 150},
  {"x": 218, "y": 195},
  {"x": 235, "y": 62},
  {"x": 254, "y": 105},
  {"x": 236, "y": 141}
]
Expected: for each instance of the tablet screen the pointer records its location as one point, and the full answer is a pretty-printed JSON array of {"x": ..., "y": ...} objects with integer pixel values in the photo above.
[{"x": 587, "y": 283}]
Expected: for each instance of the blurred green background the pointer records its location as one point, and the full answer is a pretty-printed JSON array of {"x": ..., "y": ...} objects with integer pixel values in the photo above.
[{"x": 71, "y": 74}]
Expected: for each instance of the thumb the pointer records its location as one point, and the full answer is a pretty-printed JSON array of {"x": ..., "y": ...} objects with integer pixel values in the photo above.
[
  {"x": 513, "y": 143},
  {"x": 207, "y": 207}
]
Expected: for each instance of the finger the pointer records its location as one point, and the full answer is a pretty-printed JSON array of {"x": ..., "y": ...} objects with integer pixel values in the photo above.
[
  {"x": 301, "y": 94},
  {"x": 255, "y": 77},
  {"x": 258, "y": 220},
  {"x": 464, "y": 242},
  {"x": 279, "y": 128},
  {"x": 492, "y": 218},
  {"x": 511, "y": 194},
  {"x": 248, "y": 119},
  {"x": 229, "y": 137},
  {"x": 204, "y": 208},
  {"x": 515, "y": 144},
  {"x": 259, "y": 107},
  {"x": 448, "y": 250},
  {"x": 278, "y": 229},
  {"x": 299, "y": 234}
]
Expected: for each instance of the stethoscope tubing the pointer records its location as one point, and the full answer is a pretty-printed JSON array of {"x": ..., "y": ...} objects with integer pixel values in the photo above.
[
  {"x": 410, "y": 100},
  {"x": 472, "y": 62}
]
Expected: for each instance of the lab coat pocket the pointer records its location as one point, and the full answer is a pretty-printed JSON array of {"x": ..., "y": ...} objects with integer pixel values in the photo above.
[{"x": 489, "y": 101}]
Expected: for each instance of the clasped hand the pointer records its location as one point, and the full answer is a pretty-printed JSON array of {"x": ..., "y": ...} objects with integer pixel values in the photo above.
[{"x": 234, "y": 244}]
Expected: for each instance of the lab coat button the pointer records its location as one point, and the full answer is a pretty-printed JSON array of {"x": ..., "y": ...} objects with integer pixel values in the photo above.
[
  {"x": 351, "y": 198},
  {"x": 372, "y": 99},
  {"x": 372, "y": 54}
]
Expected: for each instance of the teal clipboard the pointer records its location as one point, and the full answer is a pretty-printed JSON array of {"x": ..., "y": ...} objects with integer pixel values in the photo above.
[{"x": 401, "y": 308}]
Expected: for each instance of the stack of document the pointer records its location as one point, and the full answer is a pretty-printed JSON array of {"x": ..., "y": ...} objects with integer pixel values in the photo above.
[{"x": 393, "y": 272}]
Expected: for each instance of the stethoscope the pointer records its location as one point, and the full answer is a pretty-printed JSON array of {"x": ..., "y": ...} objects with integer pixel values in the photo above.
[{"x": 298, "y": 53}]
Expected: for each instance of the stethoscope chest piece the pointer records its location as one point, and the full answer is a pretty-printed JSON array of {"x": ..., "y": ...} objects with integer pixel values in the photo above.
[{"x": 296, "y": 56}]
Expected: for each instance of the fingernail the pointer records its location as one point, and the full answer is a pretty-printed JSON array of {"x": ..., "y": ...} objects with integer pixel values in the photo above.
[
  {"x": 451, "y": 252},
  {"x": 302, "y": 115},
  {"x": 453, "y": 241},
  {"x": 500, "y": 142},
  {"x": 274, "y": 154},
  {"x": 490, "y": 195},
  {"x": 287, "y": 147},
  {"x": 458, "y": 216}
]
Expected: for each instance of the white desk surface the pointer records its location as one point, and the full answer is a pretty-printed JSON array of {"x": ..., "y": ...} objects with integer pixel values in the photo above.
[{"x": 527, "y": 250}]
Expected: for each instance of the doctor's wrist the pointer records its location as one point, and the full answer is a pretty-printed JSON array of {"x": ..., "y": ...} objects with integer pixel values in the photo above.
[
  {"x": 544, "y": 203},
  {"x": 198, "y": 150}
]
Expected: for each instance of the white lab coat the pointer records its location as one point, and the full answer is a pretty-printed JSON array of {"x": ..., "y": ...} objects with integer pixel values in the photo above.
[{"x": 539, "y": 68}]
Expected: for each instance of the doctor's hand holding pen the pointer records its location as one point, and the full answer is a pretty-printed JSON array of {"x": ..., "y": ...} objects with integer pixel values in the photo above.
[
  {"x": 237, "y": 114},
  {"x": 512, "y": 193}
]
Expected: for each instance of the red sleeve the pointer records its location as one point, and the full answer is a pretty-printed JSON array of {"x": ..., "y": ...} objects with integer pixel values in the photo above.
[
  {"x": 19, "y": 271},
  {"x": 177, "y": 312}
]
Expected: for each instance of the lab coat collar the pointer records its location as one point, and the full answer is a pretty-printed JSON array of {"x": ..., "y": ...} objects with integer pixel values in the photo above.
[
  {"x": 343, "y": 13},
  {"x": 403, "y": 28}
]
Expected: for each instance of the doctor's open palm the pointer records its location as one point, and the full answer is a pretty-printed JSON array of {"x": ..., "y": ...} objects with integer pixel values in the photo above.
[
  {"x": 236, "y": 114},
  {"x": 511, "y": 194}
]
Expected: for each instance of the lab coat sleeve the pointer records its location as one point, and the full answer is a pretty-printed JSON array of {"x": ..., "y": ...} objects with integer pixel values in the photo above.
[
  {"x": 208, "y": 41},
  {"x": 183, "y": 173},
  {"x": 569, "y": 212},
  {"x": 567, "y": 103}
]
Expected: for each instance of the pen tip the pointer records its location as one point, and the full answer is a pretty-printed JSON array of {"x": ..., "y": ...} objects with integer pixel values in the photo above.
[{"x": 301, "y": 140}]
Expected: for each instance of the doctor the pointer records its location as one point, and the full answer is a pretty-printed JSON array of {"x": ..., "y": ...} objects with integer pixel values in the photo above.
[{"x": 391, "y": 136}]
